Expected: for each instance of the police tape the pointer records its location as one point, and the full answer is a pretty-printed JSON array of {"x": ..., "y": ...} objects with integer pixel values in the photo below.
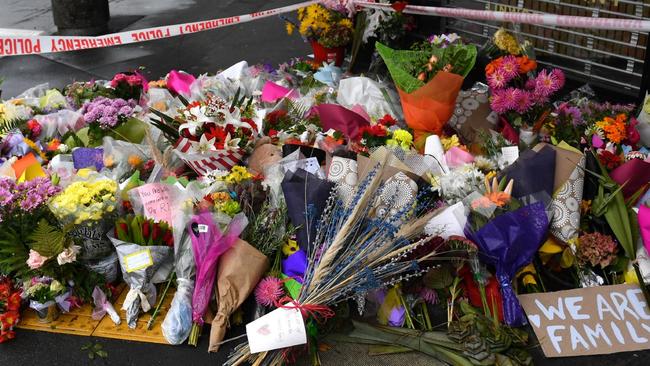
[
  {"x": 29, "y": 45},
  {"x": 569, "y": 21}
]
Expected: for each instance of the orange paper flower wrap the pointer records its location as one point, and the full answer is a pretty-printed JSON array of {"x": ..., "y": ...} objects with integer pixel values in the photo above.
[{"x": 427, "y": 109}]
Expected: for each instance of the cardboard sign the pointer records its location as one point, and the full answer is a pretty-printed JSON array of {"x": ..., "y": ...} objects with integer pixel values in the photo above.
[
  {"x": 157, "y": 199},
  {"x": 589, "y": 321}
]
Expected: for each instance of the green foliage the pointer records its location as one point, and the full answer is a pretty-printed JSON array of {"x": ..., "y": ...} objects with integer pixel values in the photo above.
[
  {"x": 13, "y": 253},
  {"x": 405, "y": 65},
  {"x": 47, "y": 240},
  {"x": 95, "y": 350},
  {"x": 11, "y": 125}
]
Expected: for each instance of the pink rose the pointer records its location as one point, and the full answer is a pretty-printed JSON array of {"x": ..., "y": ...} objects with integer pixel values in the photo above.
[{"x": 36, "y": 260}]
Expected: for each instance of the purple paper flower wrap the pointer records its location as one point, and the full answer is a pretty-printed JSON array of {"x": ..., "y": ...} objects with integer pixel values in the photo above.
[{"x": 508, "y": 242}]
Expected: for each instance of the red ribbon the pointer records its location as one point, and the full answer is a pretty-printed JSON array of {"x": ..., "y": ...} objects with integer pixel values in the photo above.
[{"x": 320, "y": 313}]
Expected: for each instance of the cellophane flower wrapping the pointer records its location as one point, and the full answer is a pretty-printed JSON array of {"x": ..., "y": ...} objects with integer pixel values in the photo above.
[
  {"x": 508, "y": 242},
  {"x": 208, "y": 244},
  {"x": 178, "y": 322},
  {"x": 142, "y": 292}
]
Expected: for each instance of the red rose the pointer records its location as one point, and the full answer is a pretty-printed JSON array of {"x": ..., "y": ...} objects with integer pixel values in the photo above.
[
  {"x": 633, "y": 136},
  {"x": 399, "y": 6},
  {"x": 609, "y": 159},
  {"x": 156, "y": 233}
]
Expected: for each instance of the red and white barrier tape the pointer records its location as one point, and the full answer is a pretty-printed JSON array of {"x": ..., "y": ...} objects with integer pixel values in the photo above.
[
  {"x": 568, "y": 21},
  {"x": 27, "y": 45}
]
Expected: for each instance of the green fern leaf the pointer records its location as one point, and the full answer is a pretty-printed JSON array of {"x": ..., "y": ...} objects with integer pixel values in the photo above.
[
  {"x": 13, "y": 253},
  {"x": 10, "y": 125},
  {"x": 48, "y": 240}
]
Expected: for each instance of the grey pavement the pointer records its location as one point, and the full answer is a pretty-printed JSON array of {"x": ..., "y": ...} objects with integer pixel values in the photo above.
[{"x": 263, "y": 40}]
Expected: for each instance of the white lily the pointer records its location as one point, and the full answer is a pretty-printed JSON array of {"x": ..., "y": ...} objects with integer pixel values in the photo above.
[
  {"x": 195, "y": 117},
  {"x": 231, "y": 144},
  {"x": 204, "y": 145}
]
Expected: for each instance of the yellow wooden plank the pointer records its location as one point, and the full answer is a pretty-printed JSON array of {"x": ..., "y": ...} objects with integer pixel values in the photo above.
[{"x": 108, "y": 329}]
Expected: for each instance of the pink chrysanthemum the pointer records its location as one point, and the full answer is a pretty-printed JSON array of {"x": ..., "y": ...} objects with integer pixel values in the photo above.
[
  {"x": 504, "y": 100},
  {"x": 268, "y": 291},
  {"x": 524, "y": 101},
  {"x": 548, "y": 83},
  {"x": 430, "y": 296},
  {"x": 497, "y": 80},
  {"x": 509, "y": 67}
]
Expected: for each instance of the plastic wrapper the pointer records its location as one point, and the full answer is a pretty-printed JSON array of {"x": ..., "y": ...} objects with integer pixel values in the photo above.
[
  {"x": 508, "y": 242},
  {"x": 59, "y": 123},
  {"x": 104, "y": 307},
  {"x": 208, "y": 244},
  {"x": 141, "y": 279},
  {"x": 370, "y": 94},
  {"x": 178, "y": 322}
]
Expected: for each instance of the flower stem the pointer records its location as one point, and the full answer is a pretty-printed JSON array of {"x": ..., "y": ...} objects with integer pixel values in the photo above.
[
  {"x": 160, "y": 301},
  {"x": 194, "y": 335},
  {"x": 642, "y": 284}
]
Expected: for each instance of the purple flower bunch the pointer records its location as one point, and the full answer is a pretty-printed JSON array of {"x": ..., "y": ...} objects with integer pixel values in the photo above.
[
  {"x": 108, "y": 112},
  {"x": 26, "y": 196},
  {"x": 514, "y": 91}
]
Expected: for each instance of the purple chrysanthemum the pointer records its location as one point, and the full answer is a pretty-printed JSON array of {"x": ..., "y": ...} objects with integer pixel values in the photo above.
[
  {"x": 108, "y": 112},
  {"x": 269, "y": 291},
  {"x": 34, "y": 193}
]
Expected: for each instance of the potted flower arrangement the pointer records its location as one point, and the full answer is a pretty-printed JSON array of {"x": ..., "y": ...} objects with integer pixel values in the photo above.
[
  {"x": 46, "y": 295},
  {"x": 328, "y": 31}
]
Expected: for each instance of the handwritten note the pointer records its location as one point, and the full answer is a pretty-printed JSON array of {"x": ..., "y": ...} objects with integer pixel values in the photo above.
[
  {"x": 280, "y": 328},
  {"x": 157, "y": 201},
  {"x": 589, "y": 321}
]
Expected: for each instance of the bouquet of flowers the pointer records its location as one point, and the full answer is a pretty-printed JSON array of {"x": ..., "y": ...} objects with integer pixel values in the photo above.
[
  {"x": 428, "y": 82},
  {"x": 129, "y": 85},
  {"x": 327, "y": 29},
  {"x": 519, "y": 97},
  {"x": 88, "y": 205},
  {"x": 211, "y": 134},
  {"x": 359, "y": 247},
  {"x": 208, "y": 244},
  {"x": 9, "y": 308},
  {"x": 46, "y": 295},
  {"x": 23, "y": 210},
  {"x": 144, "y": 252},
  {"x": 508, "y": 235}
]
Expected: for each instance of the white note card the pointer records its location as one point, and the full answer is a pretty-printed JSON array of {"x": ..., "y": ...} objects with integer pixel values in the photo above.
[
  {"x": 280, "y": 328},
  {"x": 510, "y": 154}
]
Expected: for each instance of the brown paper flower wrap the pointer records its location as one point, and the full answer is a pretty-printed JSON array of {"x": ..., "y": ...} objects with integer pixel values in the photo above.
[{"x": 239, "y": 271}]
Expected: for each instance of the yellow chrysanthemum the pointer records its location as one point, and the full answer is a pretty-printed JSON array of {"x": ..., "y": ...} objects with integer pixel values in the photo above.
[
  {"x": 290, "y": 28},
  {"x": 449, "y": 142},
  {"x": 401, "y": 138}
]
